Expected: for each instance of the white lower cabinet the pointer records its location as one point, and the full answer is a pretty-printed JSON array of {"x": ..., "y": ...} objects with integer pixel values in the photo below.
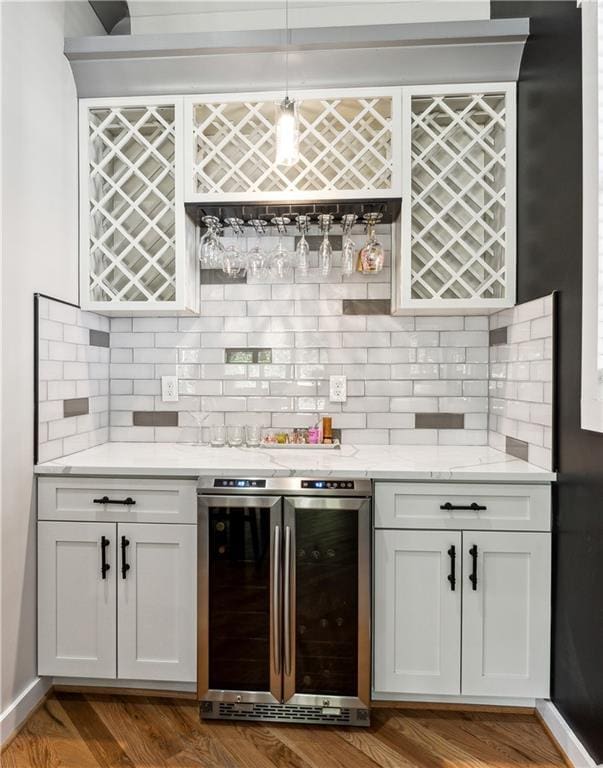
[
  {"x": 461, "y": 613},
  {"x": 138, "y": 622},
  {"x": 155, "y": 602},
  {"x": 77, "y": 617},
  {"x": 506, "y": 614},
  {"x": 417, "y": 612}
]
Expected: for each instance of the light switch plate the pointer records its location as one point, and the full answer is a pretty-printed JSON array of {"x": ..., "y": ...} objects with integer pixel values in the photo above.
[
  {"x": 169, "y": 389},
  {"x": 338, "y": 389}
]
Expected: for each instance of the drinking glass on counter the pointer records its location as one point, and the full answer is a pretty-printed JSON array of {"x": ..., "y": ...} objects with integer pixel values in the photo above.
[
  {"x": 217, "y": 435},
  {"x": 235, "y": 436},
  {"x": 252, "y": 435}
]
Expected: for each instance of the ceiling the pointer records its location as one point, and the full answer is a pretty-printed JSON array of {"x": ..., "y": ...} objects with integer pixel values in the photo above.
[{"x": 172, "y": 16}]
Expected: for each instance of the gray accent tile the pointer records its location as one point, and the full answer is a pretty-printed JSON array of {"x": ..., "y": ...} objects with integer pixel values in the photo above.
[
  {"x": 248, "y": 355},
  {"x": 217, "y": 277},
  {"x": 366, "y": 307},
  {"x": 439, "y": 420},
  {"x": 155, "y": 418},
  {"x": 75, "y": 406},
  {"x": 99, "y": 338},
  {"x": 517, "y": 448},
  {"x": 314, "y": 241},
  {"x": 498, "y": 336}
]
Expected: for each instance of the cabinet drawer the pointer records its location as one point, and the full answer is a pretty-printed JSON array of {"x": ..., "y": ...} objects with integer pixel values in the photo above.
[
  {"x": 463, "y": 505},
  {"x": 152, "y": 501}
]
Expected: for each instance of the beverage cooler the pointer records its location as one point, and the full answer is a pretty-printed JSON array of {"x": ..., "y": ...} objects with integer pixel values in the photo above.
[{"x": 284, "y": 599}]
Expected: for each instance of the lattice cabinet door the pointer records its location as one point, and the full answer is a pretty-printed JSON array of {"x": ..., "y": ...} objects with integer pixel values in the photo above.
[
  {"x": 349, "y": 147},
  {"x": 136, "y": 243},
  {"x": 457, "y": 229}
]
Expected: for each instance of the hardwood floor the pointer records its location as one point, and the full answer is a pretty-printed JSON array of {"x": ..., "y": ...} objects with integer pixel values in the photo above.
[{"x": 75, "y": 730}]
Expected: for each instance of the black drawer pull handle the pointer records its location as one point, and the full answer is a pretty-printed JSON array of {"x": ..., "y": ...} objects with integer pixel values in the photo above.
[
  {"x": 473, "y": 574},
  {"x": 104, "y": 564},
  {"x": 452, "y": 574},
  {"x": 106, "y": 500},
  {"x": 125, "y": 567},
  {"x": 473, "y": 507}
]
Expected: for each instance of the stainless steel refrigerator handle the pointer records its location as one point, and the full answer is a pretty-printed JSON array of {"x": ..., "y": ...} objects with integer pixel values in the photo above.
[
  {"x": 287, "y": 600},
  {"x": 276, "y": 602}
]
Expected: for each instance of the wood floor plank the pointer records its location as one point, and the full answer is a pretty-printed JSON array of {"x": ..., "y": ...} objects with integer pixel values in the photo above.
[
  {"x": 95, "y": 734},
  {"x": 322, "y": 748},
  {"x": 425, "y": 747},
  {"x": 116, "y": 731},
  {"x": 137, "y": 728},
  {"x": 200, "y": 745},
  {"x": 48, "y": 740}
]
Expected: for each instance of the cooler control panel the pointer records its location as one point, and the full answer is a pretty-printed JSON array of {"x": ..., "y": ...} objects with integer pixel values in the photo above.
[{"x": 328, "y": 485}]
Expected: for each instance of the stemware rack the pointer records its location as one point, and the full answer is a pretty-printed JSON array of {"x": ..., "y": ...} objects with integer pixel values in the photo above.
[{"x": 279, "y": 216}]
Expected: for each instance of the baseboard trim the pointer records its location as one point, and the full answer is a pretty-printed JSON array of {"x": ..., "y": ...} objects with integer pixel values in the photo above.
[
  {"x": 506, "y": 702},
  {"x": 103, "y": 690},
  {"x": 570, "y": 745},
  {"x": 14, "y": 717},
  {"x": 511, "y": 709}
]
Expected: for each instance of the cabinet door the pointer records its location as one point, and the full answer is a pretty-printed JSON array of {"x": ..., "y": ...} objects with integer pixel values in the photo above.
[
  {"x": 506, "y": 614},
  {"x": 76, "y": 605},
  {"x": 156, "y": 598},
  {"x": 136, "y": 243},
  {"x": 349, "y": 146},
  {"x": 417, "y": 635},
  {"x": 326, "y": 599},
  {"x": 457, "y": 229}
]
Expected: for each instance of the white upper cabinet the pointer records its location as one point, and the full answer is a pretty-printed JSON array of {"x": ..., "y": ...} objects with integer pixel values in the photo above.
[
  {"x": 349, "y": 146},
  {"x": 456, "y": 235},
  {"x": 134, "y": 256}
]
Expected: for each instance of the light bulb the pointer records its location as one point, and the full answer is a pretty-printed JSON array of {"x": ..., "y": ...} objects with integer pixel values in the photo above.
[{"x": 287, "y": 134}]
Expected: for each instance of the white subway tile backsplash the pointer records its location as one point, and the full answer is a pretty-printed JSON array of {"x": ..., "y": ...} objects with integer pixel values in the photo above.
[
  {"x": 415, "y": 339},
  {"x": 368, "y": 339},
  {"x": 521, "y": 380},
  {"x": 180, "y": 339},
  {"x": 154, "y": 324},
  {"x": 439, "y": 323},
  {"x": 51, "y": 330},
  {"x": 464, "y": 338},
  {"x": 415, "y": 371}
]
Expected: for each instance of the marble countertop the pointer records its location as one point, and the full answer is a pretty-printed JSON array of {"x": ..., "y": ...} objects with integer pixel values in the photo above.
[{"x": 378, "y": 462}]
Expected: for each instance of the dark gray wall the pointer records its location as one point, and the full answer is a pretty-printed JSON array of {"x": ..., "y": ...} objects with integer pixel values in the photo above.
[{"x": 549, "y": 256}]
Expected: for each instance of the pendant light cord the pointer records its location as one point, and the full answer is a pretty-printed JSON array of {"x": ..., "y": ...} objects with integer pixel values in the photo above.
[{"x": 287, "y": 49}]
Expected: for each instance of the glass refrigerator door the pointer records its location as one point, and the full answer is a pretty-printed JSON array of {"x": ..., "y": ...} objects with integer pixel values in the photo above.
[
  {"x": 326, "y": 593},
  {"x": 240, "y": 599}
]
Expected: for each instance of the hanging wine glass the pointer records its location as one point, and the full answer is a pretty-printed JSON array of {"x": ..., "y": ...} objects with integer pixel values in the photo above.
[
  {"x": 325, "y": 252},
  {"x": 210, "y": 247},
  {"x": 302, "y": 252},
  {"x": 372, "y": 255},
  {"x": 256, "y": 257},
  {"x": 348, "y": 250},
  {"x": 281, "y": 267},
  {"x": 233, "y": 257}
]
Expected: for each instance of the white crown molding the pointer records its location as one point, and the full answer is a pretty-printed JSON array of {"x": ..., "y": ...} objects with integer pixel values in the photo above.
[{"x": 375, "y": 55}]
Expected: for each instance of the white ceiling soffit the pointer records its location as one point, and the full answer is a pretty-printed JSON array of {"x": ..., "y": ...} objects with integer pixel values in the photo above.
[
  {"x": 214, "y": 62},
  {"x": 150, "y": 16}
]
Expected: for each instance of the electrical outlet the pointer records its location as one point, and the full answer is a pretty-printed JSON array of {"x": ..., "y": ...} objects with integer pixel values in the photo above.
[
  {"x": 338, "y": 389},
  {"x": 169, "y": 389}
]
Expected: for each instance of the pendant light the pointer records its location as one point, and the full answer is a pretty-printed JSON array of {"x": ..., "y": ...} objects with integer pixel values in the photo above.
[{"x": 287, "y": 131}]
